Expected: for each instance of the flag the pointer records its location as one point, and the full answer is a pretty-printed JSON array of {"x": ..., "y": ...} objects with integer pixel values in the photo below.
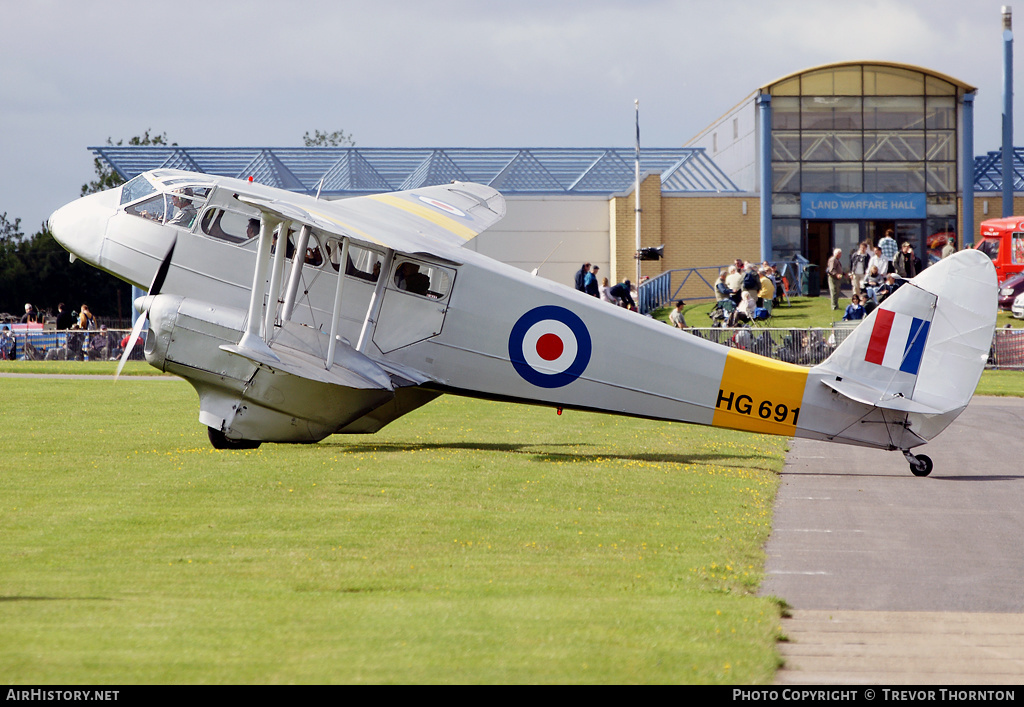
[{"x": 897, "y": 341}]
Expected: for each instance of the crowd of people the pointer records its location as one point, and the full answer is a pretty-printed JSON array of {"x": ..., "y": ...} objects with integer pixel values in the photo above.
[
  {"x": 621, "y": 294},
  {"x": 875, "y": 272},
  {"x": 83, "y": 337}
]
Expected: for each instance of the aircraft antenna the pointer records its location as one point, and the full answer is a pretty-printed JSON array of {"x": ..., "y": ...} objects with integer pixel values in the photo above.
[
  {"x": 319, "y": 187},
  {"x": 537, "y": 269}
]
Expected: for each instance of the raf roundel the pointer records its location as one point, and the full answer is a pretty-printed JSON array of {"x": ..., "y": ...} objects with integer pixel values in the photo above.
[
  {"x": 549, "y": 347},
  {"x": 447, "y": 208}
]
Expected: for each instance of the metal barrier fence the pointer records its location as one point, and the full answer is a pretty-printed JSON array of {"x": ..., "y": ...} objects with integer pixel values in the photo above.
[
  {"x": 699, "y": 284},
  {"x": 809, "y": 347},
  {"x": 71, "y": 345}
]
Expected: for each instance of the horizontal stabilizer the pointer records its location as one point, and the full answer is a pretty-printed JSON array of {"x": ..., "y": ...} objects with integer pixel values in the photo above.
[{"x": 879, "y": 398}]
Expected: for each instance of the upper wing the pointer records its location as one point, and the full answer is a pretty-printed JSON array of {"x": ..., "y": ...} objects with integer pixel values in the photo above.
[{"x": 434, "y": 219}]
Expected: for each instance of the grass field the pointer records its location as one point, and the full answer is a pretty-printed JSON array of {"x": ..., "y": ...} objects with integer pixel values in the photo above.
[{"x": 469, "y": 542}]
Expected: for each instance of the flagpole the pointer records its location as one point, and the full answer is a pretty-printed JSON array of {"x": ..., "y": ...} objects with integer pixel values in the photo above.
[{"x": 637, "y": 197}]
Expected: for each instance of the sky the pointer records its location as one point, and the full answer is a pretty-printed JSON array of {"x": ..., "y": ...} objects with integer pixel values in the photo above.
[{"x": 435, "y": 73}]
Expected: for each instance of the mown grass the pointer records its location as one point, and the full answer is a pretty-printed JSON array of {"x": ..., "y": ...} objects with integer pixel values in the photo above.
[
  {"x": 469, "y": 542},
  {"x": 85, "y": 368}
]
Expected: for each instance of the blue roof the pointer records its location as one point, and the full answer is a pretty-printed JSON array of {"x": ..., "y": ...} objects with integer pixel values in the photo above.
[
  {"x": 988, "y": 171},
  {"x": 350, "y": 171}
]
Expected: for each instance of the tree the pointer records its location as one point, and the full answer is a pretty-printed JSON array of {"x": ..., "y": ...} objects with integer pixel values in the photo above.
[
  {"x": 339, "y": 138},
  {"x": 106, "y": 177}
]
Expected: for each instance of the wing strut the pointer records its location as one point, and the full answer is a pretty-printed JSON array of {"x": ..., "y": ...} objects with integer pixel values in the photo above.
[
  {"x": 336, "y": 312},
  {"x": 375, "y": 302},
  {"x": 292, "y": 291},
  {"x": 251, "y": 337},
  {"x": 276, "y": 276}
]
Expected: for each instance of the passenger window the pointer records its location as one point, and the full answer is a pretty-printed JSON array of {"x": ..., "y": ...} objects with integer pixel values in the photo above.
[
  {"x": 230, "y": 226},
  {"x": 363, "y": 263},
  {"x": 423, "y": 279},
  {"x": 314, "y": 256}
]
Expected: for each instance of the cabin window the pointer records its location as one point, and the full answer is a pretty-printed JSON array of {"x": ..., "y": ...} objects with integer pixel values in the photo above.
[
  {"x": 422, "y": 279},
  {"x": 136, "y": 189},
  {"x": 154, "y": 208},
  {"x": 363, "y": 263},
  {"x": 185, "y": 203},
  {"x": 230, "y": 226},
  {"x": 314, "y": 256},
  {"x": 1017, "y": 254}
]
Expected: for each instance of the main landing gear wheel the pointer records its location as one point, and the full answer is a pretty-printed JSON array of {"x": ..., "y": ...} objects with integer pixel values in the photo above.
[{"x": 220, "y": 441}]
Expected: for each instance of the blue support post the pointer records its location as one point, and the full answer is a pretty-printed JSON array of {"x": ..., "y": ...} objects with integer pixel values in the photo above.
[
  {"x": 764, "y": 106},
  {"x": 967, "y": 173},
  {"x": 1007, "y": 112}
]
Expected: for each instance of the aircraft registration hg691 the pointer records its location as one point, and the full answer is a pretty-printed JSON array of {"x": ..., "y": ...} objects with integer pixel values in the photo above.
[{"x": 375, "y": 306}]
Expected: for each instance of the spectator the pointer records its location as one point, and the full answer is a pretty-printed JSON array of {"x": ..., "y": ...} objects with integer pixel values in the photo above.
[
  {"x": 622, "y": 294},
  {"x": 890, "y": 286},
  {"x": 880, "y": 262},
  {"x": 722, "y": 290},
  {"x": 766, "y": 295},
  {"x": 889, "y": 248},
  {"x": 590, "y": 285},
  {"x": 859, "y": 266},
  {"x": 31, "y": 316},
  {"x": 102, "y": 346},
  {"x": 8, "y": 345},
  {"x": 64, "y": 318},
  {"x": 949, "y": 248},
  {"x": 906, "y": 263},
  {"x": 854, "y": 310},
  {"x": 735, "y": 282},
  {"x": 581, "y": 277},
  {"x": 86, "y": 320},
  {"x": 605, "y": 292},
  {"x": 872, "y": 281},
  {"x": 676, "y": 315},
  {"x": 835, "y": 275}
]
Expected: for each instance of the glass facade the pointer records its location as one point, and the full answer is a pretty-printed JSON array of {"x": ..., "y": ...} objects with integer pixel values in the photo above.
[{"x": 863, "y": 129}]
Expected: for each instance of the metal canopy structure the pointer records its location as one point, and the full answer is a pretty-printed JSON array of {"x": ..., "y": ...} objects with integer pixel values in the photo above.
[
  {"x": 353, "y": 171},
  {"x": 988, "y": 171}
]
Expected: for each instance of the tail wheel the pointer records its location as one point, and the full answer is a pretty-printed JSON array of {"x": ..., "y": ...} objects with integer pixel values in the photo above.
[
  {"x": 220, "y": 441},
  {"x": 923, "y": 467}
]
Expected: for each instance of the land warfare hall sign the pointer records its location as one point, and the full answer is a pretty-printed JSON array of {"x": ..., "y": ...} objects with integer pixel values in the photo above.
[{"x": 845, "y": 206}]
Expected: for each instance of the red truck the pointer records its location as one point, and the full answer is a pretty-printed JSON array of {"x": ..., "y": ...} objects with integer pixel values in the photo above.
[{"x": 1002, "y": 239}]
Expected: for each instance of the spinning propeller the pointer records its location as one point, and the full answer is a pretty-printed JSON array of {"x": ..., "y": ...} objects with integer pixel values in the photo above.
[{"x": 154, "y": 289}]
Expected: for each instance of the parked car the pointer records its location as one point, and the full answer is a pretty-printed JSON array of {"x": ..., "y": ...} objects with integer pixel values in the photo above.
[
  {"x": 1009, "y": 289},
  {"x": 1018, "y": 307}
]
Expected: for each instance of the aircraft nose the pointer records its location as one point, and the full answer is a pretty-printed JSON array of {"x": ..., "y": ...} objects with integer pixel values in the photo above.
[{"x": 80, "y": 226}]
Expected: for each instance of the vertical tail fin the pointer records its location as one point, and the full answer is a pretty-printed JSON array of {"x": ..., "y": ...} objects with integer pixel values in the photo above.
[{"x": 924, "y": 348}]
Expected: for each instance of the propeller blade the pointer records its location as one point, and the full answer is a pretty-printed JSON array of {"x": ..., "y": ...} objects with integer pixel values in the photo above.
[
  {"x": 161, "y": 272},
  {"x": 136, "y": 332}
]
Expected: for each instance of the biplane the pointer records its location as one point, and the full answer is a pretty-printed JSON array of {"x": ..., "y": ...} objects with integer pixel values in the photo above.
[{"x": 296, "y": 318}]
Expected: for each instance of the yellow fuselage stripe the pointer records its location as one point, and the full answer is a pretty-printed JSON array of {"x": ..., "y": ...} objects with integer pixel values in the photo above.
[{"x": 759, "y": 394}]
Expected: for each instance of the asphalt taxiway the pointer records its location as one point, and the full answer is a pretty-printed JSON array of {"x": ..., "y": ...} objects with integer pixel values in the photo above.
[{"x": 895, "y": 578}]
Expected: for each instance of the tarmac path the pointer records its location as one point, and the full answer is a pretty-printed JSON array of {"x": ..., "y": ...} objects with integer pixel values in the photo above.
[{"x": 899, "y": 579}]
